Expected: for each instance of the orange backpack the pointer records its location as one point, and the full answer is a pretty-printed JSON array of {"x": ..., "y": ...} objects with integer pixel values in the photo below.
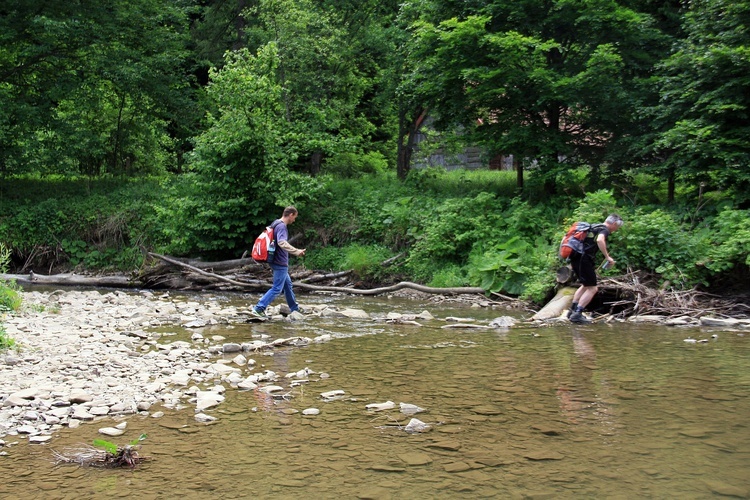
[{"x": 573, "y": 239}]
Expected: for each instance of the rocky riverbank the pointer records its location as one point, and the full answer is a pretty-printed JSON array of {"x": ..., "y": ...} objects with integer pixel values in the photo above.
[{"x": 85, "y": 355}]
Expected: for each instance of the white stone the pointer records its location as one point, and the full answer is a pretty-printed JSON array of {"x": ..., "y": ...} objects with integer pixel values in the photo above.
[
  {"x": 646, "y": 318},
  {"x": 79, "y": 396},
  {"x": 720, "y": 322},
  {"x": 425, "y": 315},
  {"x": 222, "y": 369},
  {"x": 207, "y": 399},
  {"x": 311, "y": 411},
  {"x": 111, "y": 431},
  {"x": 246, "y": 384},
  {"x": 332, "y": 394},
  {"x": 269, "y": 389},
  {"x": 99, "y": 410},
  {"x": 410, "y": 409},
  {"x": 355, "y": 314},
  {"x": 388, "y": 405},
  {"x": 39, "y": 439},
  {"x": 416, "y": 425}
]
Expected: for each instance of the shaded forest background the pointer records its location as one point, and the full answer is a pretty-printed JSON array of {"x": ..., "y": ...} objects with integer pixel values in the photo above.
[{"x": 185, "y": 126}]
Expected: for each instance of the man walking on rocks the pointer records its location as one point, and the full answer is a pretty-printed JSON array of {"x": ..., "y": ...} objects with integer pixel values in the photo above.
[
  {"x": 282, "y": 282},
  {"x": 583, "y": 265}
]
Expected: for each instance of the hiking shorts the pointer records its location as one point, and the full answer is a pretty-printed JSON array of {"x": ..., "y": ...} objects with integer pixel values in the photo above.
[{"x": 583, "y": 266}]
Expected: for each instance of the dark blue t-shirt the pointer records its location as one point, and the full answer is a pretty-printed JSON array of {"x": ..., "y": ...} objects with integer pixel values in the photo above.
[{"x": 280, "y": 233}]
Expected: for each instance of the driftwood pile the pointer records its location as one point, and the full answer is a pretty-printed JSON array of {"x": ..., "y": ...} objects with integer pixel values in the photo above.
[
  {"x": 110, "y": 456},
  {"x": 637, "y": 293}
]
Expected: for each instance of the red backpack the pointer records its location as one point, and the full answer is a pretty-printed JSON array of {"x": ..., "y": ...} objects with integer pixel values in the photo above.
[
  {"x": 265, "y": 245},
  {"x": 573, "y": 239}
]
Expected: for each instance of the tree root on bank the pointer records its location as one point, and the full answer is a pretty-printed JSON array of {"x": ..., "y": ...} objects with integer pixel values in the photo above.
[{"x": 637, "y": 295}]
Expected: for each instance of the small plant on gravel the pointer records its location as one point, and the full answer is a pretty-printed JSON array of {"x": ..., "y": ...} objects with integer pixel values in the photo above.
[
  {"x": 10, "y": 300},
  {"x": 6, "y": 342}
]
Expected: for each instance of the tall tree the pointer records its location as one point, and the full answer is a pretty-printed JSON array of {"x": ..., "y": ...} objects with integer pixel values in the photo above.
[
  {"x": 704, "y": 110},
  {"x": 90, "y": 87},
  {"x": 548, "y": 81}
]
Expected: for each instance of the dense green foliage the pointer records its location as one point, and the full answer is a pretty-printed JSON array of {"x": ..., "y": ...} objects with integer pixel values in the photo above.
[{"x": 443, "y": 228}]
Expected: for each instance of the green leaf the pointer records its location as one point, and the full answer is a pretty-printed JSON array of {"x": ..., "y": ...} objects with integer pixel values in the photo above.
[{"x": 109, "y": 447}]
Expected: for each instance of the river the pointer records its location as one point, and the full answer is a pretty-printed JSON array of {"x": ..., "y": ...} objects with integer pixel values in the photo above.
[{"x": 590, "y": 411}]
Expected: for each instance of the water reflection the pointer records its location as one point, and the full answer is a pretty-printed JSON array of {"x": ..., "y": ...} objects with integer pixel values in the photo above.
[{"x": 567, "y": 412}]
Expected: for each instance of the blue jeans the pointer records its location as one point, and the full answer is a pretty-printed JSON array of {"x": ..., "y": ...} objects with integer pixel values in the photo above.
[{"x": 282, "y": 282}]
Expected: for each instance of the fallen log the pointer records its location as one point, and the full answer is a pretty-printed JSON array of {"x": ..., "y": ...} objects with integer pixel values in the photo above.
[
  {"x": 555, "y": 307},
  {"x": 392, "y": 288},
  {"x": 116, "y": 281}
]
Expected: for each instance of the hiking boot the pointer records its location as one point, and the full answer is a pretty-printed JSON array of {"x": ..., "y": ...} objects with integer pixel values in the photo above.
[
  {"x": 572, "y": 309},
  {"x": 578, "y": 317},
  {"x": 258, "y": 314}
]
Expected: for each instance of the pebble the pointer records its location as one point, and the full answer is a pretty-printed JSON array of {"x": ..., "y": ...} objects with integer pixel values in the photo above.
[{"x": 111, "y": 431}]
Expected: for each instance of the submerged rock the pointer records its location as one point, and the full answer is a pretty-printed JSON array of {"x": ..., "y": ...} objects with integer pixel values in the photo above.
[
  {"x": 388, "y": 405},
  {"x": 416, "y": 425},
  {"x": 720, "y": 322},
  {"x": 410, "y": 409},
  {"x": 111, "y": 431},
  {"x": 503, "y": 322}
]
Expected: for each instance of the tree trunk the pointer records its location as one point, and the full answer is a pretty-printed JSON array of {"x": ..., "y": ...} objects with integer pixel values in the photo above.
[
  {"x": 670, "y": 186},
  {"x": 315, "y": 161},
  {"x": 519, "y": 173},
  {"x": 408, "y": 132},
  {"x": 239, "y": 25}
]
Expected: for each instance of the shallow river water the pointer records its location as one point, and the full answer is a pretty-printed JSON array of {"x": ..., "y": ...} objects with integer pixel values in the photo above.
[{"x": 595, "y": 411}]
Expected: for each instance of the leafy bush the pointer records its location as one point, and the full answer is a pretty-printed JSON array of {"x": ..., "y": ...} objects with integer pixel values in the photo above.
[
  {"x": 354, "y": 165},
  {"x": 326, "y": 259},
  {"x": 655, "y": 241},
  {"x": 727, "y": 241},
  {"x": 452, "y": 275},
  {"x": 366, "y": 260},
  {"x": 515, "y": 267}
]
